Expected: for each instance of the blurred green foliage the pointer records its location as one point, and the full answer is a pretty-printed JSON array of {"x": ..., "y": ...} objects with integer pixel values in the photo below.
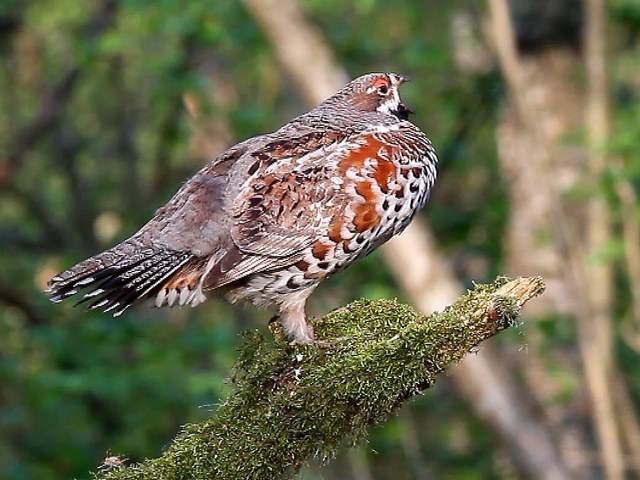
[{"x": 94, "y": 136}]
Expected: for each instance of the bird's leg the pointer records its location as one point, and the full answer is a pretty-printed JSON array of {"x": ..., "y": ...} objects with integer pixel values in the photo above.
[
  {"x": 305, "y": 337},
  {"x": 294, "y": 321},
  {"x": 293, "y": 318}
]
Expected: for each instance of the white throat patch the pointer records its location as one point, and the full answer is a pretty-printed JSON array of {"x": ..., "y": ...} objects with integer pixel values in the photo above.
[{"x": 390, "y": 104}]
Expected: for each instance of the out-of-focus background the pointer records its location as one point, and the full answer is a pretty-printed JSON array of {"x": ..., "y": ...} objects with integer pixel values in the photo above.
[{"x": 107, "y": 106}]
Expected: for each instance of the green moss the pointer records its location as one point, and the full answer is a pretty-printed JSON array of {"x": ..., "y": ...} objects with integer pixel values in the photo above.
[{"x": 292, "y": 403}]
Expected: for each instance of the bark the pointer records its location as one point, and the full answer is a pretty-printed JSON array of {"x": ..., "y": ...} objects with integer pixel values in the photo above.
[
  {"x": 482, "y": 379},
  {"x": 292, "y": 403}
]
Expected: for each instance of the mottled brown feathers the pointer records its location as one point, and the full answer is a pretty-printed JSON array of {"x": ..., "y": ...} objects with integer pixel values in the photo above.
[{"x": 274, "y": 215}]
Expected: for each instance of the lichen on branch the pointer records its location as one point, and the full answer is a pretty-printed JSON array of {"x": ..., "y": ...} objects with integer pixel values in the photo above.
[{"x": 292, "y": 403}]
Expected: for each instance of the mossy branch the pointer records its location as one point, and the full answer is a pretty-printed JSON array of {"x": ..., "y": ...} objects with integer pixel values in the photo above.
[{"x": 295, "y": 402}]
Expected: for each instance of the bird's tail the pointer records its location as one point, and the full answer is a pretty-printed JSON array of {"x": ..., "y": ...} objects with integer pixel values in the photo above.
[{"x": 113, "y": 280}]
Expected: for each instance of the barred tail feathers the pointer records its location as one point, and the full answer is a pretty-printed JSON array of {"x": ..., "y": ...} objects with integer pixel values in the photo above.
[{"x": 118, "y": 277}]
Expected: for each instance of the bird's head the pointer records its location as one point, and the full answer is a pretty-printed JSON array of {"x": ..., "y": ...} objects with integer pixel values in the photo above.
[{"x": 377, "y": 92}]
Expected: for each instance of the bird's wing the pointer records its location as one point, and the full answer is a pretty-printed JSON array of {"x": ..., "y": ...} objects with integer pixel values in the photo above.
[
  {"x": 196, "y": 219},
  {"x": 325, "y": 188},
  {"x": 256, "y": 208}
]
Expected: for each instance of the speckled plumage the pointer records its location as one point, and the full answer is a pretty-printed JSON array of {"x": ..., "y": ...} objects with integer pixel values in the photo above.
[{"x": 275, "y": 215}]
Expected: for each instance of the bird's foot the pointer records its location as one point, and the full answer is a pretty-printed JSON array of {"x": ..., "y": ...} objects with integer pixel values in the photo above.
[{"x": 303, "y": 335}]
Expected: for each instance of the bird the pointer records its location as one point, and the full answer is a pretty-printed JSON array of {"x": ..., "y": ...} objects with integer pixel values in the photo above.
[{"x": 275, "y": 215}]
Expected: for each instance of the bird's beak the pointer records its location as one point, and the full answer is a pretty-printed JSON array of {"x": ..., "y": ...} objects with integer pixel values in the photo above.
[{"x": 398, "y": 79}]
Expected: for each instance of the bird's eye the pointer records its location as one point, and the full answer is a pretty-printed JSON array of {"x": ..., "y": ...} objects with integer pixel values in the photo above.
[{"x": 380, "y": 86}]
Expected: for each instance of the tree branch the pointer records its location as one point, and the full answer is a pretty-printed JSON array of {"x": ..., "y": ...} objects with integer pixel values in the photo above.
[{"x": 292, "y": 403}]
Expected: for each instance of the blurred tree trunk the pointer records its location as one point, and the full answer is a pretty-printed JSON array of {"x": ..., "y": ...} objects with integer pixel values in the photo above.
[
  {"x": 550, "y": 91},
  {"x": 597, "y": 331},
  {"x": 547, "y": 104},
  {"x": 413, "y": 257}
]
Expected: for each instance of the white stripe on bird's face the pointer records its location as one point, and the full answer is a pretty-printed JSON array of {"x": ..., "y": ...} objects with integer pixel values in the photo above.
[{"x": 390, "y": 104}]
